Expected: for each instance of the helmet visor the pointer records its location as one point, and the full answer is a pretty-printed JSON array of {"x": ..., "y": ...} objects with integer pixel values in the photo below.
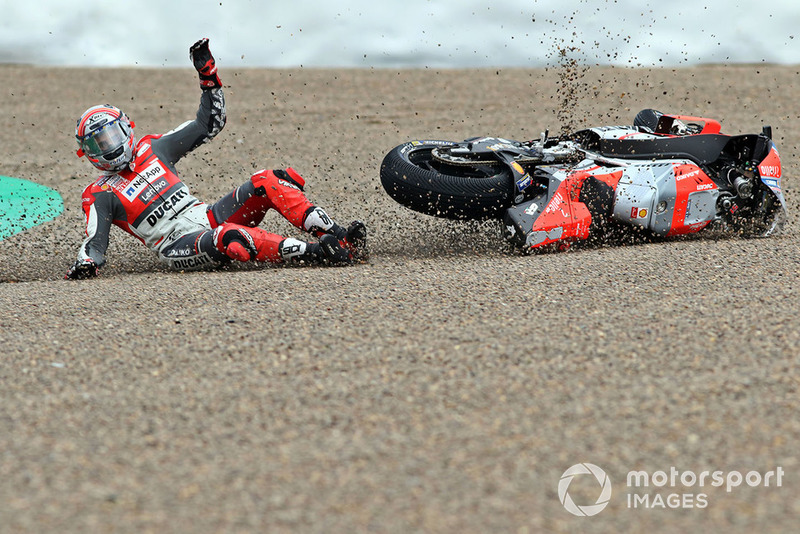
[{"x": 106, "y": 140}]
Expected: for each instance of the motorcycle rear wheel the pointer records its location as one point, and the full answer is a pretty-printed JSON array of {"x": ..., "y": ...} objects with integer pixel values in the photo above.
[{"x": 415, "y": 179}]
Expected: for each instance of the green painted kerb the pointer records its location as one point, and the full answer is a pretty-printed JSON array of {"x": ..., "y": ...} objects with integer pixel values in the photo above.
[{"x": 24, "y": 204}]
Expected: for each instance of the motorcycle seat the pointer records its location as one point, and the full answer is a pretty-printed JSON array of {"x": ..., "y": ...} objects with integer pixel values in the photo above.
[{"x": 699, "y": 148}]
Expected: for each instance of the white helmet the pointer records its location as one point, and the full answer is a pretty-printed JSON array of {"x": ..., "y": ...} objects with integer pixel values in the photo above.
[{"x": 105, "y": 137}]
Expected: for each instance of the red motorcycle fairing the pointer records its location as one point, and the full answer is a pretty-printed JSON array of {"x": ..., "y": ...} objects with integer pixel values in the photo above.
[
  {"x": 563, "y": 219},
  {"x": 690, "y": 184},
  {"x": 770, "y": 172},
  {"x": 559, "y": 217},
  {"x": 669, "y": 199}
]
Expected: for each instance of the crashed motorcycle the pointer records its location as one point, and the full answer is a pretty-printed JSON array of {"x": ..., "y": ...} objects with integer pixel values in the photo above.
[{"x": 666, "y": 175}]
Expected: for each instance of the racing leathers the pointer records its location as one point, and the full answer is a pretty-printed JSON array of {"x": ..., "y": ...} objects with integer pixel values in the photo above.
[{"x": 149, "y": 201}]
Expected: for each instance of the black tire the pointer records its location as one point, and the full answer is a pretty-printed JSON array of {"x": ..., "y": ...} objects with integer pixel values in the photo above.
[{"x": 457, "y": 192}]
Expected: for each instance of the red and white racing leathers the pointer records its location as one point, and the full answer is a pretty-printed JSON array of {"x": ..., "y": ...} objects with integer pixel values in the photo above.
[{"x": 149, "y": 201}]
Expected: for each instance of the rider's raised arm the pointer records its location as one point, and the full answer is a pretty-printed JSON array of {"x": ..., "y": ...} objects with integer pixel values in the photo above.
[{"x": 210, "y": 117}]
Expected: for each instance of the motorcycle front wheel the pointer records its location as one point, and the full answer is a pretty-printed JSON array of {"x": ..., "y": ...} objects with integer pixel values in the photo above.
[{"x": 465, "y": 190}]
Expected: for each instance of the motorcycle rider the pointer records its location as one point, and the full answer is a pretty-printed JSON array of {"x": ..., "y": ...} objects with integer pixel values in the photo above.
[{"x": 140, "y": 192}]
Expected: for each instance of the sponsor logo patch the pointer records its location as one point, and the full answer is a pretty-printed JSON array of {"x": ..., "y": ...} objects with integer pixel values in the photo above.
[
  {"x": 695, "y": 172},
  {"x": 524, "y": 182},
  {"x": 284, "y": 183},
  {"x": 772, "y": 171},
  {"x": 168, "y": 204},
  {"x": 530, "y": 210},
  {"x": 554, "y": 204},
  {"x": 191, "y": 263},
  {"x": 142, "y": 181},
  {"x": 155, "y": 187}
]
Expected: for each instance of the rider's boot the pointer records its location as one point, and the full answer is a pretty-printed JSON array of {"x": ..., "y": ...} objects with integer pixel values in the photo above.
[
  {"x": 353, "y": 238},
  {"x": 327, "y": 251}
]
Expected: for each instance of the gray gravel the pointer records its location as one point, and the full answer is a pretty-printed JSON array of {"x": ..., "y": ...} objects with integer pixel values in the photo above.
[{"x": 446, "y": 385}]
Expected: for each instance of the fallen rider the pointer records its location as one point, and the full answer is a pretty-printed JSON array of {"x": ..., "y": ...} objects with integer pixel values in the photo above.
[{"x": 141, "y": 193}]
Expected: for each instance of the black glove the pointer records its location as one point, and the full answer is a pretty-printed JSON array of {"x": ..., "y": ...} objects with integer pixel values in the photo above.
[
  {"x": 81, "y": 270},
  {"x": 204, "y": 63}
]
